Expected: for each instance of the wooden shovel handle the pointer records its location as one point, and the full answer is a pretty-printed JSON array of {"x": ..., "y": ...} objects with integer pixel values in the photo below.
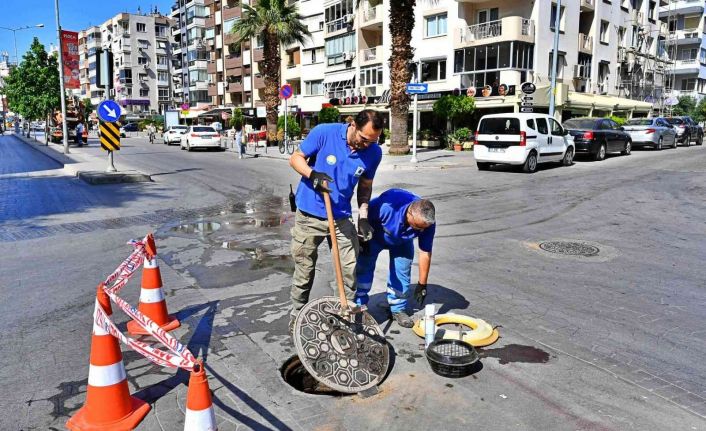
[{"x": 334, "y": 251}]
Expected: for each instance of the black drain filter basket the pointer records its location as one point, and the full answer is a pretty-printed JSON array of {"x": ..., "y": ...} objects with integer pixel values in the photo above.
[{"x": 451, "y": 358}]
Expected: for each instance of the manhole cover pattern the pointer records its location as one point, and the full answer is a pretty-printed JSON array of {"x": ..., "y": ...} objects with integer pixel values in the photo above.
[
  {"x": 569, "y": 248},
  {"x": 349, "y": 357}
]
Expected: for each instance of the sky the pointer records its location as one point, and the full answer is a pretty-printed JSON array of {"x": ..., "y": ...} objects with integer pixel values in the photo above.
[{"x": 75, "y": 15}]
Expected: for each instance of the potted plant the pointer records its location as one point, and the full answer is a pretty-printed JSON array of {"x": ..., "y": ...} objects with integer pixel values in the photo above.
[{"x": 461, "y": 137}]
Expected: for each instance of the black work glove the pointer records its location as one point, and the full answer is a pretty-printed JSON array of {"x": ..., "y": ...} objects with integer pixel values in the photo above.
[
  {"x": 317, "y": 180},
  {"x": 365, "y": 231},
  {"x": 420, "y": 293}
]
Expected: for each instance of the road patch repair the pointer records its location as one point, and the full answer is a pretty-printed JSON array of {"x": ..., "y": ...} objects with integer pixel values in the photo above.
[{"x": 98, "y": 177}]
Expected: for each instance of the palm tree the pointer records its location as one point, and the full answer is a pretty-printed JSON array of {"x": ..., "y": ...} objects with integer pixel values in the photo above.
[
  {"x": 279, "y": 24},
  {"x": 401, "y": 26}
]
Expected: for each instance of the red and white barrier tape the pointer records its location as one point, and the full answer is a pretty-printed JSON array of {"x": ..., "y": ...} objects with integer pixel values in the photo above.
[{"x": 180, "y": 357}]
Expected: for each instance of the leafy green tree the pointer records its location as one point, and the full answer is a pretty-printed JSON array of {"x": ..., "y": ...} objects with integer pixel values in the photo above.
[
  {"x": 278, "y": 23},
  {"x": 293, "y": 128},
  {"x": 88, "y": 107},
  {"x": 32, "y": 88},
  {"x": 454, "y": 108},
  {"x": 620, "y": 121},
  {"x": 699, "y": 113},
  {"x": 329, "y": 115},
  {"x": 237, "y": 120},
  {"x": 686, "y": 106}
]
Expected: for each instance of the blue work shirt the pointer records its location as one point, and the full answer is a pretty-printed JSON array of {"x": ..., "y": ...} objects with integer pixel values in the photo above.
[
  {"x": 328, "y": 143},
  {"x": 387, "y": 215}
]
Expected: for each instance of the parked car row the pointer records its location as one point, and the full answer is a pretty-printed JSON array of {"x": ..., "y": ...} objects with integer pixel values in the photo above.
[{"x": 527, "y": 139}]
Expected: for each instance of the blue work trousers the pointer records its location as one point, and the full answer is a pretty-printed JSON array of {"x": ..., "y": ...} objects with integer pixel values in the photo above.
[{"x": 398, "y": 279}]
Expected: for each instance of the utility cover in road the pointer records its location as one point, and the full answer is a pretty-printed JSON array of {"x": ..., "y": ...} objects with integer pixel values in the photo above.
[
  {"x": 109, "y": 111},
  {"x": 110, "y": 136},
  {"x": 417, "y": 88}
]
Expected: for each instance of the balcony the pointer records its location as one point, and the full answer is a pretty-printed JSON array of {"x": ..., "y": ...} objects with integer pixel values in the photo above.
[
  {"x": 372, "y": 17},
  {"x": 341, "y": 24},
  {"x": 371, "y": 55},
  {"x": 258, "y": 55},
  {"x": 235, "y": 87},
  {"x": 198, "y": 64},
  {"x": 503, "y": 30},
  {"x": 210, "y": 22},
  {"x": 686, "y": 36},
  {"x": 292, "y": 72},
  {"x": 231, "y": 12},
  {"x": 585, "y": 43},
  {"x": 212, "y": 90},
  {"x": 233, "y": 62},
  {"x": 211, "y": 67},
  {"x": 259, "y": 82},
  {"x": 588, "y": 5},
  {"x": 687, "y": 66},
  {"x": 682, "y": 7}
]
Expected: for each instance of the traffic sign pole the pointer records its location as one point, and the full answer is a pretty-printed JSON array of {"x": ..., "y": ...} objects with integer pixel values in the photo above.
[{"x": 104, "y": 56}]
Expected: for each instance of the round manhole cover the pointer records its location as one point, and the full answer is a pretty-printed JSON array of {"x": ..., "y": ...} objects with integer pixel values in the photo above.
[
  {"x": 569, "y": 248},
  {"x": 348, "y": 357}
]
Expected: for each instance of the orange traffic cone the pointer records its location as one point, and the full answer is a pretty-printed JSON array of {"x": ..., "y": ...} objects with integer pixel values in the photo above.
[
  {"x": 199, "y": 407},
  {"x": 152, "y": 303},
  {"x": 108, "y": 405}
]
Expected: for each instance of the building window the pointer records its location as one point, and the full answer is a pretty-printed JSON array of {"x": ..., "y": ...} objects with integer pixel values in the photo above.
[
  {"x": 163, "y": 92},
  {"x": 314, "y": 88},
  {"x": 142, "y": 77},
  {"x": 562, "y": 17},
  {"x": 433, "y": 70},
  {"x": 371, "y": 76},
  {"x": 162, "y": 60},
  {"x": 688, "y": 84},
  {"x": 339, "y": 15},
  {"x": 141, "y": 27},
  {"x": 163, "y": 76},
  {"x": 126, "y": 76},
  {"x": 144, "y": 92},
  {"x": 435, "y": 25},
  {"x": 227, "y": 26},
  {"x": 605, "y": 32},
  {"x": 503, "y": 55},
  {"x": 337, "y": 46},
  {"x": 621, "y": 36},
  {"x": 160, "y": 30},
  {"x": 560, "y": 64},
  {"x": 259, "y": 42},
  {"x": 313, "y": 56},
  {"x": 688, "y": 54},
  {"x": 141, "y": 43},
  {"x": 143, "y": 60}
]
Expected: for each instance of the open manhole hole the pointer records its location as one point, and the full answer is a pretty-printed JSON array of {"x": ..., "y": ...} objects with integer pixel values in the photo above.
[
  {"x": 569, "y": 248},
  {"x": 296, "y": 376}
]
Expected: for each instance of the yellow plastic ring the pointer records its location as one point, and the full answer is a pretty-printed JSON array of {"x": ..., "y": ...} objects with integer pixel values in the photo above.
[{"x": 481, "y": 333}]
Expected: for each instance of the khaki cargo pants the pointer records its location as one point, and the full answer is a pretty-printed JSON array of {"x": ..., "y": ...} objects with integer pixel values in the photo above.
[{"x": 307, "y": 234}]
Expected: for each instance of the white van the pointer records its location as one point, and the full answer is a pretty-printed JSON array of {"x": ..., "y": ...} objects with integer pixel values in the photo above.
[{"x": 521, "y": 139}]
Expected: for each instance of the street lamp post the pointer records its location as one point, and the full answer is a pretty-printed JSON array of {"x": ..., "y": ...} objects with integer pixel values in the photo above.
[
  {"x": 64, "y": 128},
  {"x": 14, "y": 36}
]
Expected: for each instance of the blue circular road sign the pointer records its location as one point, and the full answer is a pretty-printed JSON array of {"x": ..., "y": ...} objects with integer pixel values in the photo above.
[{"x": 109, "y": 111}]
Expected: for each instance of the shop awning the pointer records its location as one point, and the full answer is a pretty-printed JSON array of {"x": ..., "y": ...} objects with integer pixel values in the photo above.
[
  {"x": 339, "y": 77},
  {"x": 216, "y": 112}
]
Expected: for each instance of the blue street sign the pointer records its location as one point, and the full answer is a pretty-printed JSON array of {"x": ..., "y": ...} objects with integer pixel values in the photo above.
[
  {"x": 286, "y": 91},
  {"x": 417, "y": 88},
  {"x": 109, "y": 111}
]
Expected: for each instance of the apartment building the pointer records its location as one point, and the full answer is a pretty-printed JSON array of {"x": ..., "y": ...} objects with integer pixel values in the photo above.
[
  {"x": 686, "y": 46},
  {"x": 141, "y": 47},
  {"x": 233, "y": 76},
  {"x": 191, "y": 52}
]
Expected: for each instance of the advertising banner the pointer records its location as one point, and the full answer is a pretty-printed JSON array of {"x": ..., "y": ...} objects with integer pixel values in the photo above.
[{"x": 69, "y": 51}]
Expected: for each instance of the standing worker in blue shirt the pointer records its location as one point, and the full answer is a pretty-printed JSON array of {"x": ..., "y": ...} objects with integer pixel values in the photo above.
[
  {"x": 397, "y": 217},
  {"x": 344, "y": 155}
]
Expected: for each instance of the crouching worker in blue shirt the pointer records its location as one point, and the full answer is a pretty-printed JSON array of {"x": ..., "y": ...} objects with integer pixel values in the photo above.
[{"x": 397, "y": 217}]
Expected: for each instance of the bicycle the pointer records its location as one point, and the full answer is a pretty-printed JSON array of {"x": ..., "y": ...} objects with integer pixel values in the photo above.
[{"x": 287, "y": 145}]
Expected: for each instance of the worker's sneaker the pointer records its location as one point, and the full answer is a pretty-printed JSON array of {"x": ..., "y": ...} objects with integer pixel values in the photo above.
[{"x": 403, "y": 319}]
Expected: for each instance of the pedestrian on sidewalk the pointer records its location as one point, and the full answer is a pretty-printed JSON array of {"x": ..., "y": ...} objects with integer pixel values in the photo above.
[
  {"x": 397, "y": 217},
  {"x": 346, "y": 156},
  {"x": 239, "y": 141},
  {"x": 79, "y": 134}
]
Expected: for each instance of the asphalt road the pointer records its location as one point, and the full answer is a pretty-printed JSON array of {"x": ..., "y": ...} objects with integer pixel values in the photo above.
[{"x": 609, "y": 340}]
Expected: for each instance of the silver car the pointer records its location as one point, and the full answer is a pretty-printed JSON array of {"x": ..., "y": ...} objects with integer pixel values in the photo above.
[{"x": 651, "y": 132}]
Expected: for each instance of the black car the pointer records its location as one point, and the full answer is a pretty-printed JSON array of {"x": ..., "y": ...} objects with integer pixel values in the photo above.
[
  {"x": 687, "y": 130},
  {"x": 598, "y": 137}
]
